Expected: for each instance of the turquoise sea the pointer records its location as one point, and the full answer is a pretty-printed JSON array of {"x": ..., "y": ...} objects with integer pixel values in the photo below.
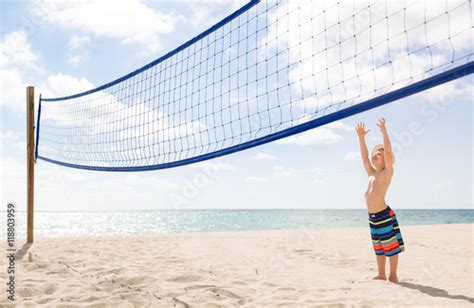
[{"x": 58, "y": 224}]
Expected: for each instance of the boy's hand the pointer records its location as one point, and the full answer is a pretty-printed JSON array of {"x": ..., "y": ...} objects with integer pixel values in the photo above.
[
  {"x": 360, "y": 129},
  {"x": 381, "y": 124}
]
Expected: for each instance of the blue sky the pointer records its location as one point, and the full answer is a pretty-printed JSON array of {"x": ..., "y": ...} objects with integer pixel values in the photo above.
[{"x": 431, "y": 131}]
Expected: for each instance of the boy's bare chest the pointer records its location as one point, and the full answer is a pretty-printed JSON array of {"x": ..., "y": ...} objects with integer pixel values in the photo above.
[{"x": 377, "y": 182}]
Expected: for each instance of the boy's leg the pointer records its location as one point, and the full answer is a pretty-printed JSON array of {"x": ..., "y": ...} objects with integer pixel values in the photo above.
[
  {"x": 393, "y": 268},
  {"x": 381, "y": 267}
]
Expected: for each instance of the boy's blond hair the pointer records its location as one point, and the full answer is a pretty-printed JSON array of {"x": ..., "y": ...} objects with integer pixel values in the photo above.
[{"x": 380, "y": 146}]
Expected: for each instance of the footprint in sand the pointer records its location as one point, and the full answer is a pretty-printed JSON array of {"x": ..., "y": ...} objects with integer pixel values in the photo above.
[
  {"x": 285, "y": 289},
  {"x": 107, "y": 286},
  {"x": 302, "y": 250},
  {"x": 43, "y": 301},
  {"x": 28, "y": 292},
  {"x": 35, "y": 266},
  {"x": 199, "y": 286},
  {"x": 224, "y": 293},
  {"x": 185, "y": 278},
  {"x": 140, "y": 280},
  {"x": 49, "y": 288},
  {"x": 177, "y": 303},
  {"x": 114, "y": 271},
  {"x": 269, "y": 284},
  {"x": 134, "y": 280}
]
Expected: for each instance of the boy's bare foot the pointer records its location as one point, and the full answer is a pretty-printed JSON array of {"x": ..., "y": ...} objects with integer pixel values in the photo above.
[
  {"x": 380, "y": 277},
  {"x": 393, "y": 278}
]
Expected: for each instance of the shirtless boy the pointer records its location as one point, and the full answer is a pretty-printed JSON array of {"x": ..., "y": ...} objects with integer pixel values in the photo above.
[{"x": 386, "y": 236}]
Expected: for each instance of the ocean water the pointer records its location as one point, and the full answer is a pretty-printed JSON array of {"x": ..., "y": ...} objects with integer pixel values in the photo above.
[{"x": 58, "y": 224}]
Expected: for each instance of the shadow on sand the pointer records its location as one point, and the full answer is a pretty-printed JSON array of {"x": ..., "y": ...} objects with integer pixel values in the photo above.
[
  {"x": 22, "y": 252},
  {"x": 435, "y": 292}
]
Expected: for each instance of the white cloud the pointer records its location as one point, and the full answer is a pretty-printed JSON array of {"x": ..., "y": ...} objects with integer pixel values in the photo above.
[
  {"x": 78, "y": 41},
  {"x": 255, "y": 179},
  {"x": 19, "y": 63},
  {"x": 315, "y": 136},
  {"x": 215, "y": 165},
  {"x": 12, "y": 90},
  {"x": 78, "y": 49},
  {"x": 340, "y": 125},
  {"x": 76, "y": 59},
  {"x": 13, "y": 87},
  {"x": 351, "y": 155},
  {"x": 207, "y": 13},
  {"x": 460, "y": 89},
  {"x": 264, "y": 156},
  {"x": 62, "y": 85},
  {"x": 15, "y": 49},
  {"x": 284, "y": 171},
  {"x": 130, "y": 21},
  {"x": 16, "y": 59}
]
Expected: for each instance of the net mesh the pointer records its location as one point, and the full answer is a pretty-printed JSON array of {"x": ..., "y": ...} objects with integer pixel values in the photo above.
[{"x": 267, "y": 69}]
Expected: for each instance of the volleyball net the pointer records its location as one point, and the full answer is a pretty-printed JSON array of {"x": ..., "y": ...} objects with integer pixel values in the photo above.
[{"x": 267, "y": 71}]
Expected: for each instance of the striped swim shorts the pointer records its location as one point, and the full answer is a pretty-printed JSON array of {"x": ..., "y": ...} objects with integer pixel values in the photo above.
[{"x": 385, "y": 232}]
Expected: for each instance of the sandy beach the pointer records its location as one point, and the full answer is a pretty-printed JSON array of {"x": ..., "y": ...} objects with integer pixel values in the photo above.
[{"x": 288, "y": 268}]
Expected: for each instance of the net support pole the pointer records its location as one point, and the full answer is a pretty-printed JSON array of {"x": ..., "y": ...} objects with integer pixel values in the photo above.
[{"x": 30, "y": 160}]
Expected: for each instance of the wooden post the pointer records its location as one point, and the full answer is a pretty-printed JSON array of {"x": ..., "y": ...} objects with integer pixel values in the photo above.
[{"x": 30, "y": 160}]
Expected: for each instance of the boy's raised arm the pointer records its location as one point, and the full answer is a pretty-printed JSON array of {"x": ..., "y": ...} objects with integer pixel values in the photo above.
[
  {"x": 387, "y": 146},
  {"x": 360, "y": 129}
]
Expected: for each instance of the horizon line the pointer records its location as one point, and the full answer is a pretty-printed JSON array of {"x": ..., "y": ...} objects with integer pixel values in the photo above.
[{"x": 225, "y": 209}]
